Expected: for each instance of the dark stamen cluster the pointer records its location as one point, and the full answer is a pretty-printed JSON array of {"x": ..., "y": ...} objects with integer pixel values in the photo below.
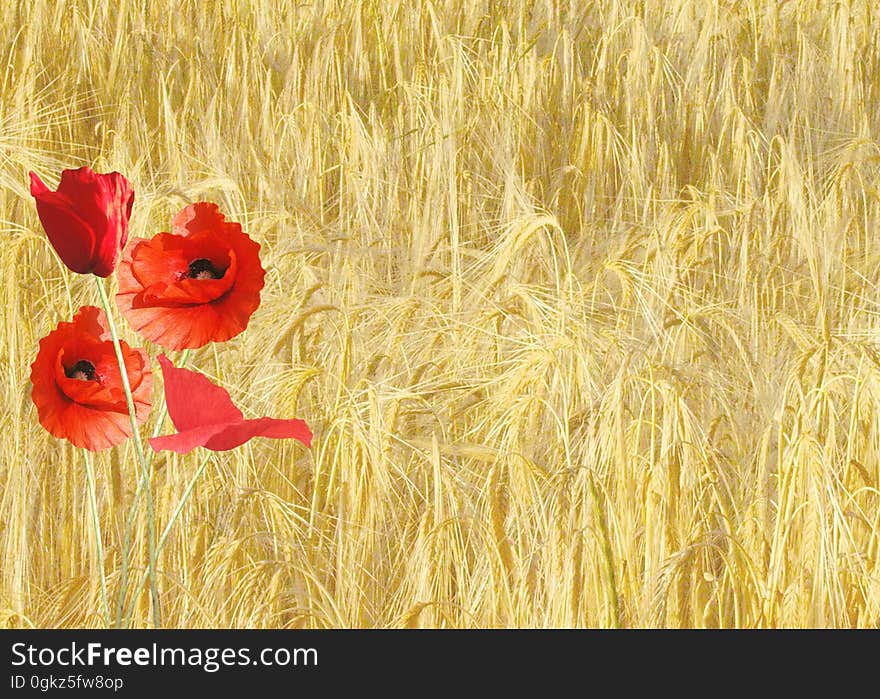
[
  {"x": 203, "y": 268},
  {"x": 83, "y": 370}
]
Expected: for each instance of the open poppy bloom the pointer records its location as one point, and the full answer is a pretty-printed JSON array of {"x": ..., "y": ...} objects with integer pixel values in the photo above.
[
  {"x": 198, "y": 284},
  {"x": 86, "y": 219},
  {"x": 205, "y": 416},
  {"x": 77, "y": 387}
]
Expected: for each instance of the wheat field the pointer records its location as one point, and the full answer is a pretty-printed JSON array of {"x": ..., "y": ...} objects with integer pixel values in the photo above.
[{"x": 579, "y": 298}]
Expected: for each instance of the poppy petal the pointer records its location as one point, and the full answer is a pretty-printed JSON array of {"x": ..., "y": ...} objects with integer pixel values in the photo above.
[
  {"x": 187, "y": 291},
  {"x": 187, "y": 440},
  {"x": 205, "y": 416},
  {"x": 160, "y": 259},
  {"x": 238, "y": 433},
  {"x": 192, "y": 400},
  {"x": 161, "y": 268},
  {"x": 72, "y": 238},
  {"x": 88, "y": 428},
  {"x": 223, "y": 437},
  {"x": 201, "y": 216}
]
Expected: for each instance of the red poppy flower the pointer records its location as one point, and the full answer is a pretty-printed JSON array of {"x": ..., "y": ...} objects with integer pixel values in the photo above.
[
  {"x": 77, "y": 387},
  {"x": 205, "y": 416},
  {"x": 86, "y": 219},
  {"x": 198, "y": 284}
]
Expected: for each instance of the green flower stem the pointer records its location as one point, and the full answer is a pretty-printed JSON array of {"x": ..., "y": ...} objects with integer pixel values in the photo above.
[
  {"x": 129, "y": 522},
  {"x": 126, "y": 547},
  {"x": 168, "y": 527},
  {"x": 139, "y": 447},
  {"x": 96, "y": 523}
]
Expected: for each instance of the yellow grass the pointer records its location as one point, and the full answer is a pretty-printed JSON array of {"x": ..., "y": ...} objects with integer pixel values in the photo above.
[{"x": 580, "y": 299}]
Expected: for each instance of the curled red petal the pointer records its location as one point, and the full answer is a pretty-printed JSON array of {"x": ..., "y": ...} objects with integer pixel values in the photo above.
[
  {"x": 223, "y": 437},
  {"x": 187, "y": 292},
  {"x": 161, "y": 269},
  {"x": 193, "y": 400},
  {"x": 93, "y": 394},
  {"x": 205, "y": 416},
  {"x": 159, "y": 259},
  {"x": 184, "y": 442},
  {"x": 237, "y": 433}
]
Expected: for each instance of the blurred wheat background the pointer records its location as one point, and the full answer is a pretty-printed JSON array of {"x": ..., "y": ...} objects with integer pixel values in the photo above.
[{"x": 579, "y": 298}]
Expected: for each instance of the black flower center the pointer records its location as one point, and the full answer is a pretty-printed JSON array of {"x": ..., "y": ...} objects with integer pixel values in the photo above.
[
  {"x": 83, "y": 370},
  {"x": 203, "y": 268}
]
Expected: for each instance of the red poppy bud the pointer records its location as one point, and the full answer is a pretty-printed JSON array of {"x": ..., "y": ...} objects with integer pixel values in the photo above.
[{"x": 86, "y": 219}]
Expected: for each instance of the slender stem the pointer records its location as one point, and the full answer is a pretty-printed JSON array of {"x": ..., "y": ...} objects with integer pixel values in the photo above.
[
  {"x": 171, "y": 522},
  {"x": 139, "y": 447},
  {"x": 126, "y": 548},
  {"x": 129, "y": 522},
  {"x": 96, "y": 523}
]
